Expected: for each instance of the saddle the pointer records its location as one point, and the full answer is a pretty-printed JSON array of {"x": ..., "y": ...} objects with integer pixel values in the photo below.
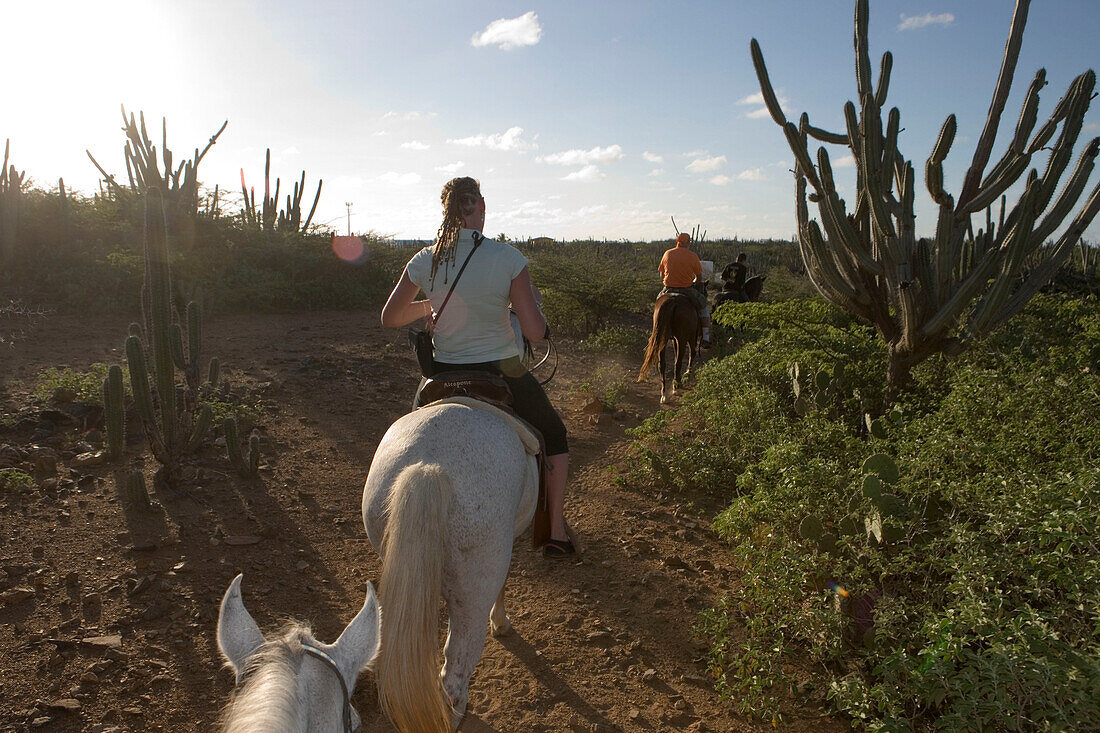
[
  {"x": 488, "y": 391},
  {"x": 479, "y": 385}
]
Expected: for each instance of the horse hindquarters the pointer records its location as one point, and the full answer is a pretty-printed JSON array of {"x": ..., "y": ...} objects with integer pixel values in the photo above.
[{"x": 409, "y": 688}]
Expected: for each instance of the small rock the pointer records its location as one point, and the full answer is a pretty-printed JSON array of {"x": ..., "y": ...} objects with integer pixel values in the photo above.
[
  {"x": 600, "y": 638},
  {"x": 143, "y": 546},
  {"x": 66, "y": 703},
  {"x": 39, "y": 722},
  {"x": 90, "y": 458},
  {"x": 89, "y": 677},
  {"x": 111, "y": 641},
  {"x": 242, "y": 539},
  {"x": 649, "y": 675},
  {"x": 16, "y": 595}
]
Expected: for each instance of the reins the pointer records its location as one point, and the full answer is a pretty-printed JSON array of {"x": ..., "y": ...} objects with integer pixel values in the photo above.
[{"x": 331, "y": 664}]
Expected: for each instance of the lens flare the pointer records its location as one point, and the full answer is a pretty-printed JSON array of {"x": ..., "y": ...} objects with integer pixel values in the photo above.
[
  {"x": 838, "y": 589},
  {"x": 350, "y": 249}
]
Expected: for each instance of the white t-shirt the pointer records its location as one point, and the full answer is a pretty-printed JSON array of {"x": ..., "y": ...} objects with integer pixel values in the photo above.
[{"x": 474, "y": 326}]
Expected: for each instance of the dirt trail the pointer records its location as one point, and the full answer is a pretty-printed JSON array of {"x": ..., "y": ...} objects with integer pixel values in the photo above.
[{"x": 601, "y": 644}]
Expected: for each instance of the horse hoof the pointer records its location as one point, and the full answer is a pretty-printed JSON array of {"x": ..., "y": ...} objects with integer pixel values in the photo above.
[{"x": 503, "y": 630}]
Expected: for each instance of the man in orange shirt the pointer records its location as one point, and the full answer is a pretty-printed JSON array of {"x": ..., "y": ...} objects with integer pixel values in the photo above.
[{"x": 680, "y": 269}]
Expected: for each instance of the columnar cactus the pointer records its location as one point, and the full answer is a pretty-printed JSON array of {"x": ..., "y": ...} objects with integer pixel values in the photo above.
[
  {"x": 270, "y": 217},
  {"x": 171, "y": 421},
  {"x": 917, "y": 292},
  {"x": 11, "y": 194},
  {"x": 251, "y": 467},
  {"x": 136, "y": 491},
  {"x": 114, "y": 410}
]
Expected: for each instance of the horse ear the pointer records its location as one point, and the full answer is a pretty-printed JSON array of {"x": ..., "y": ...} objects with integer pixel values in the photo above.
[
  {"x": 358, "y": 644},
  {"x": 238, "y": 634}
]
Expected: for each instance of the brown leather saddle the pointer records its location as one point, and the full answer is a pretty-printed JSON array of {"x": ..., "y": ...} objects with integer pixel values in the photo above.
[{"x": 492, "y": 389}]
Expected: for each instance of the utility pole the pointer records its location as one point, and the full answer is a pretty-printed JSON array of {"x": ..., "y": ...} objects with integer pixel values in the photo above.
[{"x": 348, "y": 204}]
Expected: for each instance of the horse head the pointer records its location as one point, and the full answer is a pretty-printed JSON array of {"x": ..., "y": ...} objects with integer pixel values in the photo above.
[{"x": 294, "y": 682}]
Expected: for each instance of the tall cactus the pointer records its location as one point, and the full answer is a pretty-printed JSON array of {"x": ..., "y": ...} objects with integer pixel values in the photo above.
[
  {"x": 270, "y": 217},
  {"x": 11, "y": 195},
  {"x": 917, "y": 292},
  {"x": 170, "y": 419}
]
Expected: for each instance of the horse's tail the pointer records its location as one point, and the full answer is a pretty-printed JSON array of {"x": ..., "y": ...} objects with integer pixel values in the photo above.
[
  {"x": 409, "y": 687},
  {"x": 662, "y": 316}
]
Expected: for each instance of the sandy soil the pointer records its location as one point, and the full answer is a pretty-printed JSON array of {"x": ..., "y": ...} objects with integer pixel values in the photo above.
[{"x": 603, "y": 643}]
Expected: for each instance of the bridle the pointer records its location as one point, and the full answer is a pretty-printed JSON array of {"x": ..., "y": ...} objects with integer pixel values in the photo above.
[{"x": 331, "y": 664}]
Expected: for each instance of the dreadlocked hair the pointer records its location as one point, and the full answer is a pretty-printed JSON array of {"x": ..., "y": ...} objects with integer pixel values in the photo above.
[{"x": 459, "y": 198}]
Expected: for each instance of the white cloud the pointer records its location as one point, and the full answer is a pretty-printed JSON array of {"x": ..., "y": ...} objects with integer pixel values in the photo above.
[
  {"x": 656, "y": 172},
  {"x": 381, "y": 133},
  {"x": 509, "y": 33},
  {"x": 702, "y": 165},
  {"x": 846, "y": 161},
  {"x": 390, "y": 178},
  {"x": 1092, "y": 127},
  {"x": 751, "y": 174},
  {"x": 695, "y": 153},
  {"x": 450, "y": 167},
  {"x": 586, "y": 174},
  {"x": 583, "y": 157},
  {"x": 653, "y": 157},
  {"x": 507, "y": 141},
  {"x": 909, "y": 23},
  {"x": 757, "y": 100},
  {"x": 415, "y": 145},
  {"x": 720, "y": 180}
]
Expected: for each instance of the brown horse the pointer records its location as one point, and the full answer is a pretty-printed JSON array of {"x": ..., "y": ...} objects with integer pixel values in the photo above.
[{"x": 674, "y": 319}]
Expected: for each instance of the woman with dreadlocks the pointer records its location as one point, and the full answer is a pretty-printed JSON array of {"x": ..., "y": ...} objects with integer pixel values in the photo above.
[{"x": 475, "y": 332}]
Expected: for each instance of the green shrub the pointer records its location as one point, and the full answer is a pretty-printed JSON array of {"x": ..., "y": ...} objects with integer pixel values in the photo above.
[
  {"x": 985, "y": 597},
  {"x": 71, "y": 385},
  {"x": 12, "y": 479}
]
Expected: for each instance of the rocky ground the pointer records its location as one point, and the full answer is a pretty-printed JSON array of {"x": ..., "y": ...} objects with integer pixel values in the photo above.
[{"x": 108, "y": 610}]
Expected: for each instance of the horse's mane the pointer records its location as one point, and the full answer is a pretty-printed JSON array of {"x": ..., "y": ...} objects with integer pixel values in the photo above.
[{"x": 268, "y": 699}]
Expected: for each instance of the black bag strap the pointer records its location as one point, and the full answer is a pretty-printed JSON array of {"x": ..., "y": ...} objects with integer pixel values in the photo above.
[{"x": 478, "y": 239}]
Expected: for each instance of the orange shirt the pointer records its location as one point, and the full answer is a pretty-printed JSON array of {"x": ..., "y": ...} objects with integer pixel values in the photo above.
[{"x": 679, "y": 267}]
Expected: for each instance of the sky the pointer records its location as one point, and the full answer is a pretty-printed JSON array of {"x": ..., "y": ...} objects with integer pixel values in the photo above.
[{"x": 581, "y": 119}]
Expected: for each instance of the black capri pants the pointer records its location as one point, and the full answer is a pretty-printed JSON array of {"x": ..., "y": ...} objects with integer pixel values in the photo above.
[{"x": 529, "y": 400}]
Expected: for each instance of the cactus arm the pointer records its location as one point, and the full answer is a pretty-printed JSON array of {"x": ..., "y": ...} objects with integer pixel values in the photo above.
[
  {"x": 202, "y": 427},
  {"x": 253, "y": 455},
  {"x": 313, "y": 208},
  {"x": 994, "y": 188},
  {"x": 114, "y": 412},
  {"x": 863, "y": 57},
  {"x": 1059, "y": 252},
  {"x": 175, "y": 340},
  {"x": 770, "y": 100},
  {"x": 884, "y": 79},
  {"x": 161, "y": 301},
  {"x": 194, "y": 333},
  {"x": 996, "y": 107},
  {"x": 1014, "y": 244},
  {"x": 1069, "y": 196}
]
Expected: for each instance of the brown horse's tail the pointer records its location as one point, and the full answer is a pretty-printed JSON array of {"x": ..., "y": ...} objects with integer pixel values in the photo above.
[{"x": 662, "y": 317}]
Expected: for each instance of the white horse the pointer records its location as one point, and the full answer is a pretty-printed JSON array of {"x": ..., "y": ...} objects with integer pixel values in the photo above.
[
  {"x": 449, "y": 489},
  {"x": 293, "y": 683}
]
